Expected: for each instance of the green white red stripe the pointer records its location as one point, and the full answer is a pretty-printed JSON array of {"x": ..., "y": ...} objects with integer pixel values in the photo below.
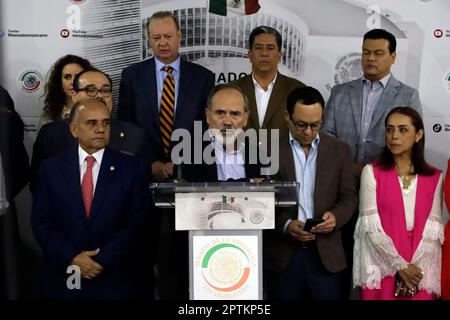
[
  {"x": 238, "y": 7},
  {"x": 215, "y": 267}
]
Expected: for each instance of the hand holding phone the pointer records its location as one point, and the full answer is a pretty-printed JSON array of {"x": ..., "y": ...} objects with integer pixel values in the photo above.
[{"x": 312, "y": 222}]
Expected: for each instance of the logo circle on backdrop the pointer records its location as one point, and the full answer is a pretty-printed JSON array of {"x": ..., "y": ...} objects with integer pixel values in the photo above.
[
  {"x": 30, "y": 80},
  {"x": 437, "y": 128},
  {"x": 438, "y": 33},
  {"x": 226, "y": 267},
  {"x": 348, "y": 68},
  {"x": 64, "y": 33},
  {"x": 447, "y": 81},
  {"x": 77, "y": 1}
]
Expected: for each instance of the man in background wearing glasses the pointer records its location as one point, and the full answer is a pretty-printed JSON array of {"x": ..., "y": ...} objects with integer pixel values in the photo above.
[
  {"x": 300, "y": 264},
  {"x": 54, "y": 138}
]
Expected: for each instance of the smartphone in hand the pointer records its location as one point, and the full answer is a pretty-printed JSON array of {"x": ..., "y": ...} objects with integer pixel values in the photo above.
[{"x": 312, "y": 222}]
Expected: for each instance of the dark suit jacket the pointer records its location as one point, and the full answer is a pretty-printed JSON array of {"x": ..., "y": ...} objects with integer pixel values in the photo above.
[
  {"x": 335, "y": 191},
  {"x": 62, "y": 229},
  {"x": 203, "y": 172},
  {"x": 14, "y": 156},
  {"x": 55, "y": 138},
  {"x": 138, "y": 100},
  {"x": 274, "y": 117},
  {"x": 5, "y": 99}
]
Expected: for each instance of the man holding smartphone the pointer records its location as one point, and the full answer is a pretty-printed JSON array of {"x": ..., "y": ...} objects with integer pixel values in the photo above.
[{"x": 303, "y": 264}]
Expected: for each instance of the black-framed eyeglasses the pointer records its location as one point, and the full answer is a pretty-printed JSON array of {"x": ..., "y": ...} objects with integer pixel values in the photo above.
[
  {"x": 302, "y": 126},
  {"x": 93, "y": 91}
]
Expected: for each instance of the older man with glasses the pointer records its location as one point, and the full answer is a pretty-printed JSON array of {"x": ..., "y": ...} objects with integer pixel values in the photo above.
[{"x": 308, "y": 264}]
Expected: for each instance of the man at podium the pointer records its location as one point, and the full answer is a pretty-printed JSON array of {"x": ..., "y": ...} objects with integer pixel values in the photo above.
[{"x": 226, "y": 155}]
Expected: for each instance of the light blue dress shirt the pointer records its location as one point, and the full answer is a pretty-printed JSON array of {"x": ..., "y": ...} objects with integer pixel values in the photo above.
[
  {"x": 230, "y": 165},
  {"x": 161, "y": 75},
  {"x": 372, "y": 92},
  {"x": 305, "y": 175}
]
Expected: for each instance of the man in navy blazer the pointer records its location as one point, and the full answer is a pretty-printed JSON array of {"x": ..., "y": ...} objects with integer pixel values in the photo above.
[
  {"x": 95, "y": 237},
  {"x": 12, "y": 149},
  {"x": 55, "y": 138},
  {"x": 14, "y": 176},
  {"x": 142, "y": 83},
  {"x": 140, "y": 97}
]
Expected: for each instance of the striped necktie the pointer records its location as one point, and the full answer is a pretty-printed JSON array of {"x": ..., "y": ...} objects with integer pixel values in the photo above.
[{"x": 167, "y": 111}]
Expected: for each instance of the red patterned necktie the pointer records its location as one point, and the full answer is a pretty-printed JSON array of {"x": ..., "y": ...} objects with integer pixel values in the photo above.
[
  {"x": 87, "y": 185},
  {"x": 167, "y": 111}
]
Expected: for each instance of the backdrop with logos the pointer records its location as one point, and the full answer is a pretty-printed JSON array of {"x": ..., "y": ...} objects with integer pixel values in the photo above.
[{"x": 321, "y": 45}]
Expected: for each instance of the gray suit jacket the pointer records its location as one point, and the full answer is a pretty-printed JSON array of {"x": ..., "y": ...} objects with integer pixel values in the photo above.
[
  {"x": 335, "y": 191},
  {"x": 344, "y": 111}
]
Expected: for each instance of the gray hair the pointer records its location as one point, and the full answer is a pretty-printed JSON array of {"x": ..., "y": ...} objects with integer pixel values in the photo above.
[{"x": 227, "y": 86}]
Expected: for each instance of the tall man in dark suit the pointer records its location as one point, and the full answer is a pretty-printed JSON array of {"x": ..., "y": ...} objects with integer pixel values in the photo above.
[
  {"x": 160, "y": 95},
  {"x": 265, "y": 87},
  {"x": 55, "y": 138},
  {"x": 301, "y": 264},
  {"x": 142, "y": 90},
  {"x": 14, "y": 155},
  {"x": 87, "y": 206},
  {"x": 14, "y": 175}
]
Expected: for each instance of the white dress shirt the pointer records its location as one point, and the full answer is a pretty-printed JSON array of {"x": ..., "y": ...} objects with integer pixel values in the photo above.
[
  {"x": 262, "y": 98},
  {"x": 83, "y": 163}
]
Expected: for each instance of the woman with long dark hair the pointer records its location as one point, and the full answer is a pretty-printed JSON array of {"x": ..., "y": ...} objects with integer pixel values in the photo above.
[
  {"x": 59, "y": 87},
  {"x": 399, "y": 233}
]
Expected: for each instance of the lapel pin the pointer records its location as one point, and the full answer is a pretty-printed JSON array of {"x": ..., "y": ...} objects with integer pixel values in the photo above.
[{"x": 112, "y": 168}]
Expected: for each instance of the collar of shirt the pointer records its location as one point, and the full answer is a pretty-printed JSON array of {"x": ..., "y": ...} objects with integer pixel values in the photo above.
[
  {"x": 83, "y": 154},
  {"x": 269, "y": 88},
  {"x": 161, "y": 75},
  {"x": 175, "y": 65},
  {"x": 295, "y": 143},
  {"x": 383, "y": 81}
]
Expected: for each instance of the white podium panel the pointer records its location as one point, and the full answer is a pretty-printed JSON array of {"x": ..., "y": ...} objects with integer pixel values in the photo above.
[{"x": 224, "y": 210}]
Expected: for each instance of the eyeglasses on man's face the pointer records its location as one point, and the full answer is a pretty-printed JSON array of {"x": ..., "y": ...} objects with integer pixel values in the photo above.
[
  {"x": 302, "y": 126},
  {"x": 93, "y": 91}
]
